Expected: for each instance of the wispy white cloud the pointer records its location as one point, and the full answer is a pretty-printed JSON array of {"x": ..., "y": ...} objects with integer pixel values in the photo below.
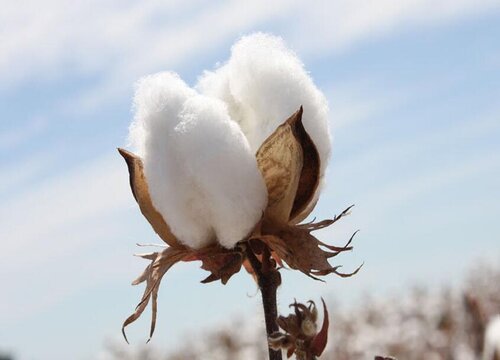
[
  {"x": 360, "y": 101},
  {"x": 426, "y": 183},
  {"x": 44, "y": 39},
  {"x": 401, "y": 185},
  {"x": 59, "y": 266},
  {"x": 384, "y": 155},
  {"x": 19, "y": 135},
  {"x": 125, "y": 40},
  {"x": 52, "y": 229},
  {"x": 16, "y": 174},
  {"x": 338, "y": 25},
  {"x": 166, "y": 47},
  {"x": 34, "y": 221}
]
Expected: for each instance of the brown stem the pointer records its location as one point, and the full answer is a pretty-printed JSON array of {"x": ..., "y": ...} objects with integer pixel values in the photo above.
[{"x": 268, "y": 279}]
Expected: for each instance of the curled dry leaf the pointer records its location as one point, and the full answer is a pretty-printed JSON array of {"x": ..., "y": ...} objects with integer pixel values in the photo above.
[
  {"x": 302, "y": 251},
  {"x": 161, "y": 262},
  {"x": 220, "y": 262},
  {"x": 290, "y": 166}
]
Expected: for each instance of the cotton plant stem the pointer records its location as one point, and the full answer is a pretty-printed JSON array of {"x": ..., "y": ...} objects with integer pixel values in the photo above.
[{"x": 268, "y": 281}]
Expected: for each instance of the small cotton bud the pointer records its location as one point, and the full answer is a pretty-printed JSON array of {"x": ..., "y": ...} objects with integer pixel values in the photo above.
[
  {"x": 313, "y": 311},
  {"x": 308, "y": 327}
]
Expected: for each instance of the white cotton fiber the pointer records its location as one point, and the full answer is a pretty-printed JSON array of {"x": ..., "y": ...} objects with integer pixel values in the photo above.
[
  {"x": 263, "y": 83},
  {"x": 202, "y": 175},
  {"x": 491, "y": 349}
]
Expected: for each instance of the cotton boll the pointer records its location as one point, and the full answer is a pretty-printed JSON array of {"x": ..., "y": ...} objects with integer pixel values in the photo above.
[
  {"x": 223, "y": 167},
  {"x": 202, "y": 176},
  {"x": 263, "y": 83}
]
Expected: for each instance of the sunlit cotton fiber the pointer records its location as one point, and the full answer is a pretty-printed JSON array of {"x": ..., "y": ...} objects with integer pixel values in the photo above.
[
  {"x": 263, "y": 83},
  {"x": 202, "y": 175},
  {"x": 198, "y": 146}
]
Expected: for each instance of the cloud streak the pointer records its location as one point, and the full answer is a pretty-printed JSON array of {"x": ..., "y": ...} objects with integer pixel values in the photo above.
[
  {"x": 13, "y": 138},
  {"x": 338, "y": 25},
  {"x": 36, "y": 221},
  {"x": 126, "y": 40}
]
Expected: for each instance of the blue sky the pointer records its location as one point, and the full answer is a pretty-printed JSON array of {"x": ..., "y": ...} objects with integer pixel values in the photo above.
[{"x": 414, "y": 91}]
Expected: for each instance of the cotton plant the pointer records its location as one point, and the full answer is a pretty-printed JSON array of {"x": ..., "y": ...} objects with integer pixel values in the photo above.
[{"x": 225, "y": 172}]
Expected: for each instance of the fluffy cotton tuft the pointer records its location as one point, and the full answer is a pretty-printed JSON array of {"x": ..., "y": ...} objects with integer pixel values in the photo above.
[
  {"x": 263, "y": 83},
  {"x": 202, "y": 174},
  {"x": 492, "y": 339},
  {"x": 199, "y": 149}
]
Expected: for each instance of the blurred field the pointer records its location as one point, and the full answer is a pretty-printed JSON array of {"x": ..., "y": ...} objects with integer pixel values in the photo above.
[{"x": 448, "y": 324}]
